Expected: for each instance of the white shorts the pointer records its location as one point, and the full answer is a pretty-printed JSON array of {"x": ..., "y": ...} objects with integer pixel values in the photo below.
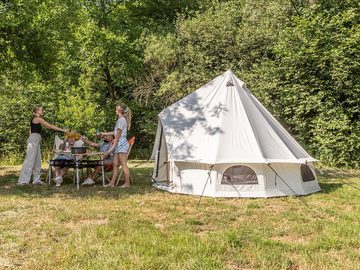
[{"x": 122, "y": 146}]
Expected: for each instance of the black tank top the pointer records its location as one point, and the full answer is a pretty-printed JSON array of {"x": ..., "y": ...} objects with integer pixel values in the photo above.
[{"x": 35, "y": 128}]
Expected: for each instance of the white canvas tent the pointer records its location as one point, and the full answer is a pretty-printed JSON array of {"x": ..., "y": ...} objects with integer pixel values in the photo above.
[{"x": 220, "y": 141}]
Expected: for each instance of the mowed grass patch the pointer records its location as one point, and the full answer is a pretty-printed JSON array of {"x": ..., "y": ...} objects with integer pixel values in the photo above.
[{"x": 44, "y": 227}]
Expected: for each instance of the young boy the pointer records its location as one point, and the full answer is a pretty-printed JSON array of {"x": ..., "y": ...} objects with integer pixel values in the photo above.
[{"x": 63, "y": 160}]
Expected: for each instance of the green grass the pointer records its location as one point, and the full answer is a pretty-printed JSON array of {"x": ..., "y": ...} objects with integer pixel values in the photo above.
[{"x": 145, "y": 228}]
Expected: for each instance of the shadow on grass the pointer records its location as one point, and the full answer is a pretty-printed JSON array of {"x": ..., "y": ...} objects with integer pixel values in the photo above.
[
  {"x": 141, "y": 185},
  {"x": 327, "y": 187},
  {"x": 332, "y": 178},
  {"x": 329, "y": 183},
  {"x": 328, "y": 172}
]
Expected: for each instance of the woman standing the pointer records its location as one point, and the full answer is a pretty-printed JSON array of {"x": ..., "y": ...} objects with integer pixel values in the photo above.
[
  {"x": 120, "y": 145},
  {"x": 32, "y": 162}
]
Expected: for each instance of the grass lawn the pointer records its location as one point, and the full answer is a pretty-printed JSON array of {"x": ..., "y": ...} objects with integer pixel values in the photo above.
[{"x": 145, "y": 228}]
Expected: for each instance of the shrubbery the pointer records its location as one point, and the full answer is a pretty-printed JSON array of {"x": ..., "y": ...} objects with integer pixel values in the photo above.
[{"x": 300, "y": 58}]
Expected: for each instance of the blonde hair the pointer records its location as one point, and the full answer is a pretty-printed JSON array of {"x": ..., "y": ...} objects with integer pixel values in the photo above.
[
  {"x": 36, "y": 108},
  {"x": 126, "y": 112}
]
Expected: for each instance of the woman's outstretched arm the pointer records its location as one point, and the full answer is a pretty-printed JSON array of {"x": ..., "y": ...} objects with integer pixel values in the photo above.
[{"x": 50, "y": 126}]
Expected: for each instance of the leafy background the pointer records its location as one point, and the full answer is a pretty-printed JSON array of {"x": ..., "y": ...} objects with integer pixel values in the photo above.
[{"x": 78, "y": 58}]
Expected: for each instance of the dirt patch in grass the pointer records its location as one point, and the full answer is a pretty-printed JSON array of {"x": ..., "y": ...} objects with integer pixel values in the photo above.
[
  {"x": 292, "y": 239},
  {"x": 5, "y": 263}
]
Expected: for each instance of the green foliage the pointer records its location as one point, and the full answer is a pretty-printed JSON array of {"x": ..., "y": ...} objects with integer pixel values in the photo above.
[
  {"x": 317, "y": 84},
  {"x": 78, "y": 58},
  {"x": 78, "y": 111},
  {"x": 301, "y": 61},
  {"x": 17, "y": 102},
  {"x": 228, "y": 35}
]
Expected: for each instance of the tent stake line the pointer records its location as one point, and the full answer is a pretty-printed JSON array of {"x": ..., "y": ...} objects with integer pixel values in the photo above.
[{"x": 207, "y": 180}]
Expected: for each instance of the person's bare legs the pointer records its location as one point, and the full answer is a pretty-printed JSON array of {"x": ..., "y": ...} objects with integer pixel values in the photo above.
[
  {"x": 64, "y": 171},
  {"x": 96, "y": 172},
  {"x": 57, "y": 171},
  {"x": 123, "y": 161},
  {"x": 115, "y": 171},
  {"x": 60, "y": 172}
]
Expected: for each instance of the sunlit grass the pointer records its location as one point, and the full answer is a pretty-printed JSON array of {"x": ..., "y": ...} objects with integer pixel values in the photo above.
[{"x": 145, "y": 228}]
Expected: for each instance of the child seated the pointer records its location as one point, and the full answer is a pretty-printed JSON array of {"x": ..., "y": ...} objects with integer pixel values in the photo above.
[{"x": 64, "y": 159}]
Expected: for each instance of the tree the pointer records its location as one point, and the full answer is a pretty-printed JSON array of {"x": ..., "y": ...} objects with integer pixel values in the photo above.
[{"x": 316, "y": 87}]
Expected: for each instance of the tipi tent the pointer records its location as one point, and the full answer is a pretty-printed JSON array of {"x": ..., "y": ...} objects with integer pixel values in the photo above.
[{"x": 220, "y": 141}]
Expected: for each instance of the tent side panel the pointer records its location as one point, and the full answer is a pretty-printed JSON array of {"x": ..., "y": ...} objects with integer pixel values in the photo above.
[
  {"x": 286, "y": 180},
  {"x": 193, "y": 178},
  {"x": 311, "y": 186},
  {"x": 289, "y": 180},
  {"x": 245, "y": 190}
]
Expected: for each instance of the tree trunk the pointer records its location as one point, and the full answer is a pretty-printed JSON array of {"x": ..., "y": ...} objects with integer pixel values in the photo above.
[{"x": 109, "y": 82}]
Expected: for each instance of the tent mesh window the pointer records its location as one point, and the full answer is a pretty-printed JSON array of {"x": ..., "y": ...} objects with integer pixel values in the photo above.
[
  {"x": 239, "y": 175},
  {"x": 306, "y": 173}
]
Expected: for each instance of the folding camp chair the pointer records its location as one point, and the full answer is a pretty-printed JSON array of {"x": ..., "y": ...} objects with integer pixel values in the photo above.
[
  {"x": 107, "y": 169},
  {"x": 131, "y": 142},
  {"x": 56, "y": 147}
]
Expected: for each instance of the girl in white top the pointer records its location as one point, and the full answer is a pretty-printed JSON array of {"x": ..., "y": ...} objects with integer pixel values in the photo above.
[{"x": 120, "y": 145}]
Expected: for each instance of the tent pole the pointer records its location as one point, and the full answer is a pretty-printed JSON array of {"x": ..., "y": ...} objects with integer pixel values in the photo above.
[
  {"x": 158, "y": 155},
  {"x": 207, "y": 180}
]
